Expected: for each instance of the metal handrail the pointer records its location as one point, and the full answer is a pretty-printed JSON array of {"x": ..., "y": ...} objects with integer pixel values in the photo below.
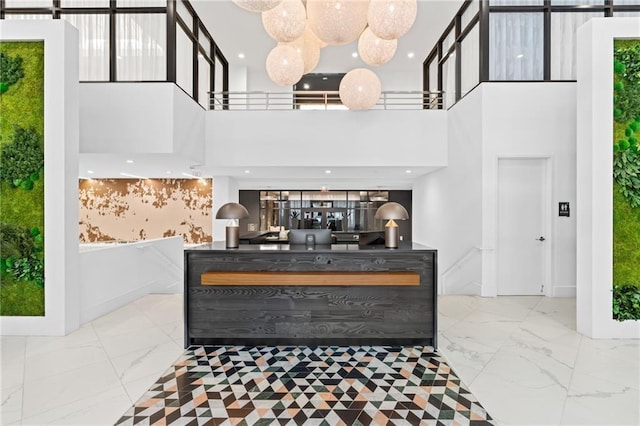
[{"x": 309, "y": 99}]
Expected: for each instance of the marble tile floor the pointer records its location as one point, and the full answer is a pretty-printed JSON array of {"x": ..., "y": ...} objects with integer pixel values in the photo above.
[{"x": 520, "y": 356}]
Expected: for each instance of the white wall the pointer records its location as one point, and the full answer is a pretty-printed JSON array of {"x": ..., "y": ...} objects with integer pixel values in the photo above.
[
  {"x": 532, "y": 120},
  {"x": 113, "y": 275},
  {"x": 326, "y": 138},
  {"x": 126, "y": 118},
  {"x": 447, "y": 204},
  {"x": 457, "y": 206},
  {"x": 237, "y": 78},
  {"x": 188, "y": 127},
  {"x": 140, "y": 118},
  {"x": 595, "y": 177},
  {"x": 62, "y": 288}
]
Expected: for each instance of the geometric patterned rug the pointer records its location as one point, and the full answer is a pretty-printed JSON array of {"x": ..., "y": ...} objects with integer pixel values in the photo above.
[{"x": 299, "y": 385}]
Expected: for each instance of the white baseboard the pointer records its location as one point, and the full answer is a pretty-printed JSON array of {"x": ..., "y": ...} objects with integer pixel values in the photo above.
[
  {"x": 89, "y": 313},
  {"x": 564, "y": 291}
]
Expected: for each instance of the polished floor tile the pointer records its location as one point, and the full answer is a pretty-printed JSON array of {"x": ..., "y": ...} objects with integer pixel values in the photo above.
[
  {"x": 520, "y": 356},
  {"x": 332, "y": 385}
]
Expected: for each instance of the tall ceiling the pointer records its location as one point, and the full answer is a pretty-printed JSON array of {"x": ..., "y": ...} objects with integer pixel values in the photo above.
[{"x": 237, "y": 31}]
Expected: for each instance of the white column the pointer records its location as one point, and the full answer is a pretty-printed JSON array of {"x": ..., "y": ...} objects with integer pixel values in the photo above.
[
  {"x": 595, "y": 177},
  {"x": 62, "y": 287}
]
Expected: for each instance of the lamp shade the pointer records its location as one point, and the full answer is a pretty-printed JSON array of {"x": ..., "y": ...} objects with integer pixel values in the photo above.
[
  {"x": 285, "y": 65},
  {"x": 337, "y": 21},
  {"x": 257, "y": 5},
  {"x": 375, "y": 51},
  {"x": 360, "y": 89},
  {"x": 232, "y": 211},
  {"x": 392, "y": 211},
  {"x": 285, "y": 22},
  {"x": 391, "y": 19},
  {"x": 308, "y": 45}
]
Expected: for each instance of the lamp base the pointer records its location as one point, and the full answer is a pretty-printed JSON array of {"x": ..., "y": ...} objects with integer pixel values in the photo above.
[
  {"x": 391, "y": 237},
  {"x": 233, "y": 236}
]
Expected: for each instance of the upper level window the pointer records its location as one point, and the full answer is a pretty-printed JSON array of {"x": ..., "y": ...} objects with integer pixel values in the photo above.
[
  {"x": 516, "y": 42},
  {"x": 141, "y": 43}
]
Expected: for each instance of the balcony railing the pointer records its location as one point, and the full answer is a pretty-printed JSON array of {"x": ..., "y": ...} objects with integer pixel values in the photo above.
[{"x": 317, "y": 100}]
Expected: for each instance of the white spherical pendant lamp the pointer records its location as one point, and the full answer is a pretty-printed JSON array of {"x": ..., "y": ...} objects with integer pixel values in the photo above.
[
  {"x": 337, "y": 21},
  {"x": 391, "y": 19},
  {"x": 257, "y": 5},
  {"x": 284, "y": 65},
  {"x": 375, "y": 51},
  {"x": 360, "y": 89},
  {"x": 309, "y": 48},
  {"x": 286, "y": 22}
]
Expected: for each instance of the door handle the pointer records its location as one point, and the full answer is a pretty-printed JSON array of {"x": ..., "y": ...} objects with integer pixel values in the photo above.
[{"x": 541, "y": 239}]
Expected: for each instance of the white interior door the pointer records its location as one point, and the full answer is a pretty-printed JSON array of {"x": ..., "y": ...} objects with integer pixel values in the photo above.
[{"x": 522, "y": 239}]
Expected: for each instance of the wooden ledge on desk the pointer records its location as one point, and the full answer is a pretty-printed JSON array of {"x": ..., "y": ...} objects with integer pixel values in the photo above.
[{"x": 311, "y": 278}]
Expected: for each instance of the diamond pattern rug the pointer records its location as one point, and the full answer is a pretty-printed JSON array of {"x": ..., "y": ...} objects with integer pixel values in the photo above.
[{"x": 297, "y": 385}]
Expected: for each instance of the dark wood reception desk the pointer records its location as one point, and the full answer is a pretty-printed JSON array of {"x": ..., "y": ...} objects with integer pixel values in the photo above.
[{"x": 287, "y": 295}]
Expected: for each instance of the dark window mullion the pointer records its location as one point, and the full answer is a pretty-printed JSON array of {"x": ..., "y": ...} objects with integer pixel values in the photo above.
[
  {"x": 608, "y": 11},
  {"x": 113, "y": 54},
  {"x": 171, "y": 41},
  {"x": 439, "y": 72},
  {"x": 196, "y": 64},
  {"x": 56, "y": 9},
  {"x": 458, "y": 64},
  {"x": 546, "y": 41},
  {"x": 484, "y": 41}
]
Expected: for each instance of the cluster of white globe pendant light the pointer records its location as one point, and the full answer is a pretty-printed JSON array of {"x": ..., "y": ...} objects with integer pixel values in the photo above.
[{"x": 302, "y": 31}]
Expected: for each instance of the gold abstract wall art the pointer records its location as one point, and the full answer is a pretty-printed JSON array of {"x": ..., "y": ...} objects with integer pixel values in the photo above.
[{"x": 141, "y": 209}]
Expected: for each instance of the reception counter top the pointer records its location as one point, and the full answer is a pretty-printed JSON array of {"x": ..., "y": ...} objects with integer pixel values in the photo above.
[
  {"x": 342, "y": 294},
  {"x": 405, "y": 246}
]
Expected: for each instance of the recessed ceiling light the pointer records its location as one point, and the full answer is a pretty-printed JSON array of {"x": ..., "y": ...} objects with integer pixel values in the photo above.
[
  {"x": 240, "y": 55},
  {"x": 407, "y": 171},
  {"x": 247, "y": 171},
  {"x": 306, "y": 86},
  {"x": 520, "y": 56},
  {"x": 90, "y": 172},
  {"x": 410, "y": 55},
  {"x": 325, "y": 78},
  {"x": 328, "y": 172},
  {"x": 168, "y": 172},
  {"x": 354, "y": 55},
  {"x": 130, "y": 161}
]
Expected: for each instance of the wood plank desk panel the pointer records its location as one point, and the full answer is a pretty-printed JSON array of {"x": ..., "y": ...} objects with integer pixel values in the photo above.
[
  {"x": 306, "y": 278},
  {"x": 273, "y": 306}
]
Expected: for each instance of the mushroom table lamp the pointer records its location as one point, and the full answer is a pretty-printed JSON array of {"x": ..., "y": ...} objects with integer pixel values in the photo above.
[
  {"x": 233, "y": 212},
  {"x": 391, "y": 211}
]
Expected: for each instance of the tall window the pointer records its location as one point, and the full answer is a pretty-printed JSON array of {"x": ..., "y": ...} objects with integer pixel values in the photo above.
[
  {"x": 141, "y": 45},
  {"x": 516, "y": 46},
  {"x": 136, "y": 40},
  {"x": 512, "y": 40}
]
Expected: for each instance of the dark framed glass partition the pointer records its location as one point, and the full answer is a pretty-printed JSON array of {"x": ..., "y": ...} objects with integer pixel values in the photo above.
[
  {"x": 512, "y": 40},
  {"x": 137, "y": 41}
]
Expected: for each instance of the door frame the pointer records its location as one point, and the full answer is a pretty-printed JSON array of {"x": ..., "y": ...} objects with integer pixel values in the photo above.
[{"x": 547, "y": 218}]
